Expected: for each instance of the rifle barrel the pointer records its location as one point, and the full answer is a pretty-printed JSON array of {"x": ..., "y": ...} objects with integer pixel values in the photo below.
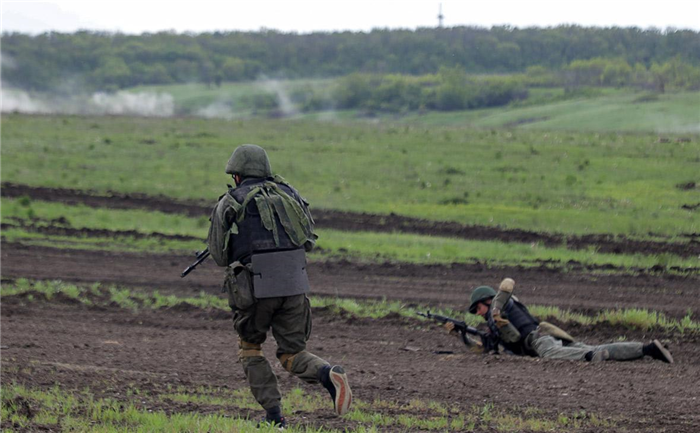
[{"x": 201, "y": 256}]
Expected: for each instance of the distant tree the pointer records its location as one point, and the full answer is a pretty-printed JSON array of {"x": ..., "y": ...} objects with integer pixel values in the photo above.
[
  {"x": 234, "y": 69},
  {"x": 661, "y": 74},
  {"x": 113, "y": 74},
  {"x": 616, "y": 73},
  {"x": 452, "y": 93}
]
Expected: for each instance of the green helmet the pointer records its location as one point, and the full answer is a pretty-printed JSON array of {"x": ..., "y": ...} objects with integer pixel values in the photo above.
[
  {"x": 249, "y": 160},
  {"x": 480, "y": 294}
]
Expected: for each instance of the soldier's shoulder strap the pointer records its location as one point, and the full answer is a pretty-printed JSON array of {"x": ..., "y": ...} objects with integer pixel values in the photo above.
[{"x": 280, "y": 180}]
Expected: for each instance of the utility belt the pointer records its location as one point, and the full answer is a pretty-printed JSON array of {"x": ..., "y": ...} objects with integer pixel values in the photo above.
[{"x": 268, "y": 275}]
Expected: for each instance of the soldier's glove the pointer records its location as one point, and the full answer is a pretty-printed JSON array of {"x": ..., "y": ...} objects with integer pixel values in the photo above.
[
  {"x": 450, "y": 327},
  {"x": 498, "y": 319}
]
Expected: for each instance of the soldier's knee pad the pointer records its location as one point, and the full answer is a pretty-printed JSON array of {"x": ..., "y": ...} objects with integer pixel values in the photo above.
[
  {"x": 248, "y": 350},
  {"x": 287, "y": 360}
]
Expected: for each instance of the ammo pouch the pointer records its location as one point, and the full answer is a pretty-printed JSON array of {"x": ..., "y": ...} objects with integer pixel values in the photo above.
[
  {"x": 279, "y": 273},
  {"x": 509, "y": 333},
  {"x": 239, "y": 286}
]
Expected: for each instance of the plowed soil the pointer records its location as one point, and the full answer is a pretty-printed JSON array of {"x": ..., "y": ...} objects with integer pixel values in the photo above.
[{"x": 111, "y": 350}]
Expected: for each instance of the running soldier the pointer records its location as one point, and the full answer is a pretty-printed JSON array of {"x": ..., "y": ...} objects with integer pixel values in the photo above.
[{"x": 260, "y": 231}]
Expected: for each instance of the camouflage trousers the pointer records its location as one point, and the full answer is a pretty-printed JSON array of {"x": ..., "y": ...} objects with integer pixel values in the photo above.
[
  {"x": 547, "y": 346},
  {"x": 289, "y": 318}
]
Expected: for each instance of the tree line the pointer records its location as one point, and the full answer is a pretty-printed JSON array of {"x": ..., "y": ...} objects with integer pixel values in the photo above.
[
  {"x": 90, "y": 60},
  {"x": 451, "y": 88}
]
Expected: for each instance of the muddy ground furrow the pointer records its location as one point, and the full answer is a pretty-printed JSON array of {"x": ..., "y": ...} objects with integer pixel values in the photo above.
[
  {"x": 350, "y": 221},
  {"x": 434, "y": 285}
]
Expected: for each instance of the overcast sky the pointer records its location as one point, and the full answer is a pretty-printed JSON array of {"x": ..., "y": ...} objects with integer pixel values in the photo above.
[{"x": 305, "y": 16}]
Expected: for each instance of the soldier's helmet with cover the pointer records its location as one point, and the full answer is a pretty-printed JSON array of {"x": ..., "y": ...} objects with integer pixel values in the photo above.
[
  {"x": 480, "y": 294},
  {"x": 249, "y": 160}
]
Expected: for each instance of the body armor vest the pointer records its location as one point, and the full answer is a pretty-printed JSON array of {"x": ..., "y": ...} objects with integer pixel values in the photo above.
[
  {"x": 253, "y": 237},
  {"x": 519, "y": 317}
]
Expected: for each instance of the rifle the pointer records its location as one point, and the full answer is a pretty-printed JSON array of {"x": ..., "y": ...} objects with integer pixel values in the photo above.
[
  {"x": 488, "y": 342},
  {"x": 201, "y": 256}
]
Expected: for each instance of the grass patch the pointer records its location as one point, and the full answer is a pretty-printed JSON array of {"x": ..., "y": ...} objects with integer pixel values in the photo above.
[
  {"x": 632, "y": 318},
  {"x": 430, "y": 249},
  {"x": 102, "y": 243},
  {"x": 610, "y": 112},
  {"x": 26, "y": 409},
  {"x": 96, "y": 294},
  {"x": 367, "y": 246},
  {"x": 567, "y": 182}
]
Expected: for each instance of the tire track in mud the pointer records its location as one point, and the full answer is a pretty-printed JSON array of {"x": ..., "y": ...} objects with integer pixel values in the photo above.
[
  {"x": 349, "y": 221},
  {"x": 431, "y": 285}
]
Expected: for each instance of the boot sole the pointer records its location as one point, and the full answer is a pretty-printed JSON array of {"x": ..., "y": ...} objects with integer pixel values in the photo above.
[
  {"x": 343, "y": 394},
  {"x": 667, "y": 355}
]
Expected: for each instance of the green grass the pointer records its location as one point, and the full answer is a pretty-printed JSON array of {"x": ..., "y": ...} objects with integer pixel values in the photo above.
[
  {"x": 595, "y": 109},
  {"x": 612, "y": 111},
  {"x": 332, "y": 243},
  {"x": 632, "y": 318},
  {"x": 428, "y": 249},
  {"x": 568, "y": 182},
  {"x": 58, "y": 408},
  {"x": 105, "y": 295},
  {"x": 42, "y": 213}
]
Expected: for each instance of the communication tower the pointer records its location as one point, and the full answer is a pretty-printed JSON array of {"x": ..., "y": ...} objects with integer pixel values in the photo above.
[{"x": 440, "y": 16}]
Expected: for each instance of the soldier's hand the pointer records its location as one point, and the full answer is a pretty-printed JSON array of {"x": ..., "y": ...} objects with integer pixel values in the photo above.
[
  {"x": 450, "y": 327},
  {"x": 499, "y": 320}
]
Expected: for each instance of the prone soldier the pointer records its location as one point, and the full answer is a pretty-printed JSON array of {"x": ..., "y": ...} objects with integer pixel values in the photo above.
[{"x": 511, "y": 324}]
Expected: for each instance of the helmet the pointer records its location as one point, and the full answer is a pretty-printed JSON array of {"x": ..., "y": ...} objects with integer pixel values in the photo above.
[
  {"x": 249, "y": 160},
  {"x": 480, "y": 294}
]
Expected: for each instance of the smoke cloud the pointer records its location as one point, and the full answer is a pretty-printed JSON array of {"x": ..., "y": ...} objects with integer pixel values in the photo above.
[
  {"x": 216, "y": 110},
  {"x": 284, "y": 101},
  {"x": 120, "y": 103},
  {"x": 140, "y": 104}
]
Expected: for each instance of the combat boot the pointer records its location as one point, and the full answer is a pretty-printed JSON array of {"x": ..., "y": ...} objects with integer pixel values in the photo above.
[
  {"x": 335, "y": 381},
  {"x": 657, "y": 351},
  {"x": 274, "y": 418}
]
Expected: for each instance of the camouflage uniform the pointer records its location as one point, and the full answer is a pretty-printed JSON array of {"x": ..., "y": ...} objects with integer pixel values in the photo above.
[
  {"x": 265, "y": 219},
  {"x": 522, "y": 334}
]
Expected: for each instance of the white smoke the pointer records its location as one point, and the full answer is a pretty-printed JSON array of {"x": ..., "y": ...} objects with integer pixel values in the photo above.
[
  {"x": 21, "y": 102},
  {"x": 216, "y": 110},
  {"x": 327, "y": 116},
  {"x": 285, "y": 104},
  {"x": 120, "y": 103},
  {"x": 139, "y": 104}
]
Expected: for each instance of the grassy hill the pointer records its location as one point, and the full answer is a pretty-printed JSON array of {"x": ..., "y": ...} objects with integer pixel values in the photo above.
[
  {"x": 594, "y": 110},
  {"x": 568, "y": 182},
  {"x": 610, "y": 111}
]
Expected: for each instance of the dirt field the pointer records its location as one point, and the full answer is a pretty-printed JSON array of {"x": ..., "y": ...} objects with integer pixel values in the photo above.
[{"x": 111, "y": 350}]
